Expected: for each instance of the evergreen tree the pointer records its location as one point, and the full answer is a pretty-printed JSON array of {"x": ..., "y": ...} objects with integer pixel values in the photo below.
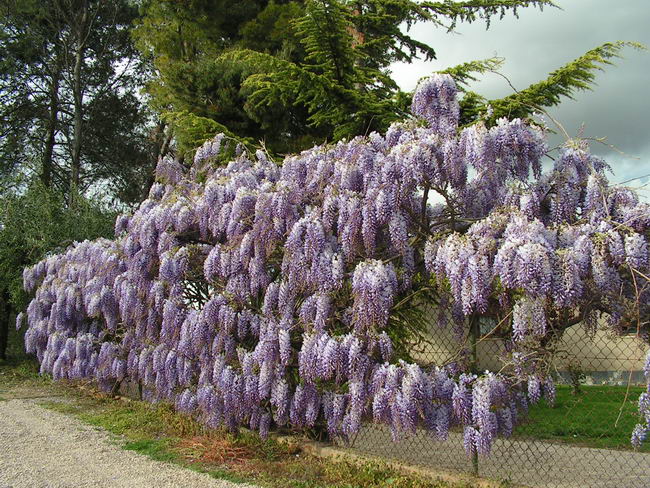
[
  {"x": 351, "y": 45},
  {"x": 73, "y": 125},
  {"x": 69, "y": 102},
  {"x": 30, "y": 80},
  {"x": 193, "y": 89},
  {"x": 330, "y": 77}
]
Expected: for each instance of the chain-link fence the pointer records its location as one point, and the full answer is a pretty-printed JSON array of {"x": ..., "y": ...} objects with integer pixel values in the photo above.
[{"x": 582, "y": 441}]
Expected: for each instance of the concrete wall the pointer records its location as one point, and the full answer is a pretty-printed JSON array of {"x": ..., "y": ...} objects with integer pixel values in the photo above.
[{"x": 603, "y": 357}]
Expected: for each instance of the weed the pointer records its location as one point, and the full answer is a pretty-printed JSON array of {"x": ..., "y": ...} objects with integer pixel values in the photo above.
[
  {"x": 14, "y": 371},
  {"x": 576, "y": 376}
]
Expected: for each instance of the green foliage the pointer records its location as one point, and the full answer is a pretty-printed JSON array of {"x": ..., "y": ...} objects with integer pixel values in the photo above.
[
  {"x": 464, "y": 73},
  {"x": 192, "y": 131},
  {"x": 324, "y": 32},
  {"x": 298, "y": 73},
  {"x": 38, "y": 223},
  {"x": 339, "y": 85},
  {"x": 377, "y": 28},
  {"x": 577, "y": 75},
  {"x": 473, "y": 10},
  {"x": 183, "y": 40},
  {"x": 272, "y": 30},
  {"x": 587, "y": 419},
  {"x": 342, "y": 95},
  {"x": 69, "y": 96}
]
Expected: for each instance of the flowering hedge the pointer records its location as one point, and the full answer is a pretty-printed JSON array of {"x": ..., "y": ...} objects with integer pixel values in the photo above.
[{"x": 261, "y": 294}]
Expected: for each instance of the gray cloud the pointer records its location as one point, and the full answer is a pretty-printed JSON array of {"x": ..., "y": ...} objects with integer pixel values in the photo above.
[{"x": 618, "y": 107}]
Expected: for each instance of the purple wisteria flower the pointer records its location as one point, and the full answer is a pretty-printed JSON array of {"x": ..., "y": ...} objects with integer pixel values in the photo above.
[{"x": 257, "y": 294}]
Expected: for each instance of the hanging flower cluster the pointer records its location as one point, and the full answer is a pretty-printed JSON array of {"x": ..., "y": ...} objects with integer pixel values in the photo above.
[
  {"x": 641, "y": 430},
  {"x": 261, "y": 294}
]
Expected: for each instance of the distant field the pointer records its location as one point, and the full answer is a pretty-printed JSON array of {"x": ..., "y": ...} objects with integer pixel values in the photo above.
[{"x": 587, "y": 419}]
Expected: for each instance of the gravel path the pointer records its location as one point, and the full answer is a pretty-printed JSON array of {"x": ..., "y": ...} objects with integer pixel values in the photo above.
[{"x": 41, "y": 448}]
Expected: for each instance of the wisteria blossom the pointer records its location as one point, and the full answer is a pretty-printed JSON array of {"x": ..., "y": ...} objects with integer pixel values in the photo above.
[{"x": 263, "y": 295}]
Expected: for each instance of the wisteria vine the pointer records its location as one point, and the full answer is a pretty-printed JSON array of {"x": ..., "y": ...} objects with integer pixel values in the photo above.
[{"x": 263, "y": 295}]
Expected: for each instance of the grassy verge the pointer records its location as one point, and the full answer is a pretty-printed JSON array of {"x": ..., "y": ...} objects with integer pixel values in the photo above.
[
  {"x": 164, "y": 435},
  {"x": 600, "y": 416},
  {"x": 157, "y": 431},
  {"x": 19, "y": 372}
]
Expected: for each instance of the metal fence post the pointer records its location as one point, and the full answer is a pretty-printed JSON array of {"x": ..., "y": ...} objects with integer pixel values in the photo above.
[{"x": 474, "y": 333}]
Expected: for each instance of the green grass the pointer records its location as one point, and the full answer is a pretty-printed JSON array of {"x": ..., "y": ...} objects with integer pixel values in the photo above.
[
  {"x": 16, "y": 372},
  {"x": 587, "y": 419},
  {"x": 18, "y": 368},
  {"x": 157, "y": 449}
]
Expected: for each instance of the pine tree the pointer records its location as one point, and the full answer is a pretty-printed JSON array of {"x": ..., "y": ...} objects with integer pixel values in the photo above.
[
  {"x": 330, "y": 79},
  {"x": 192, "y": 88},
  {"x": 69, "y": 82}
]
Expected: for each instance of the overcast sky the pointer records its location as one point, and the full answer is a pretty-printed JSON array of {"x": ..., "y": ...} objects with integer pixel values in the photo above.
[{"x": 537, "y": 43}]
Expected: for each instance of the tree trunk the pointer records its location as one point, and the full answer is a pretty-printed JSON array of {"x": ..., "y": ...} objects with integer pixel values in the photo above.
[
  {"x": 163, "y": 137},
  {"x": 474, "y": 336},
  {"x": 5, "y": 316},
  {"x": 77, "y": 90},
  {"x": 358, "y": 37},
  {"x": 50, "y": 139}
]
